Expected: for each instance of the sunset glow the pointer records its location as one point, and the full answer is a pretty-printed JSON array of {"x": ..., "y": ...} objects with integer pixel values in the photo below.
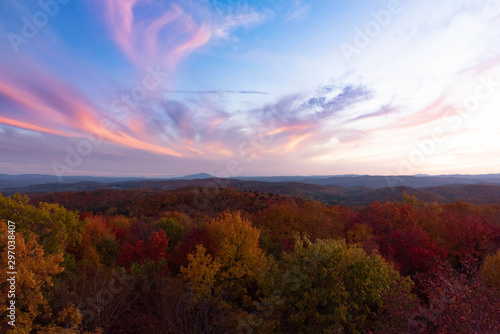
[{"x": 161, "y": 88}]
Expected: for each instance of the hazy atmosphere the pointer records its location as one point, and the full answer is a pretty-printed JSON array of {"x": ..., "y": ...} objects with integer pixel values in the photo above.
[
  {"x": 249, "y": 166},
  {"x": 161, "y": 88}
]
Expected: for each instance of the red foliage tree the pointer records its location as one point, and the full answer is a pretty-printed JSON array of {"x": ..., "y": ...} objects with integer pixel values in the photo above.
[
  {"x": 390, "y": 216},
  {"x": 412, "y": 250},
  {"x": 458, "y": 301},
  {"x": 467, "y": 234},
  {"x": 197, "y": 236},
  {"x": 154, "y": 249}
]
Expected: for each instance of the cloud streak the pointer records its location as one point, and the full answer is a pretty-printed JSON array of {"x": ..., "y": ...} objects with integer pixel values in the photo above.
[
  {"x": 397, "y": 90},
  {"x": 217, "y": 92},
  {"x": 153, "y": 33},
  {"x": 64, "y": 109}
]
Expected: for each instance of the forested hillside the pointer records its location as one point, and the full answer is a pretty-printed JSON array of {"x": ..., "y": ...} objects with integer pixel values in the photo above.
[{"x": 224, "y": 260}]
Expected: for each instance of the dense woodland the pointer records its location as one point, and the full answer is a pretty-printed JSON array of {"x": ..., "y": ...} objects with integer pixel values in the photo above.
[{"x": 221, "y": 260}]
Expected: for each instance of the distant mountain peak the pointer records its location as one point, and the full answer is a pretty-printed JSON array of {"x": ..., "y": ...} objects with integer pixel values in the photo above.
[{"x": 196, "y": 176}]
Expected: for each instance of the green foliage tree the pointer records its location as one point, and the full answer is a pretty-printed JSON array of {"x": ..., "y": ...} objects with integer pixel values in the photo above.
[
  {"x": 174, "y": 230},
  {"x": 55, "y": 226},
  {"x": 108, "y": 249},
  {"x": 325, "y": 287}
]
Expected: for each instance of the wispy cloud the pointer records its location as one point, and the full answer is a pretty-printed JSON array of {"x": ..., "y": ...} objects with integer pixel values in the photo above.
[
  {"x": 153, "y": 32},
  {"x": 298, "y": 11},
  {"x": 385, "y": 110},
  {"x": 48, "y": 110},
  {"x": 217, "y": 92},
  {"x": 239, "y": 17},
  {"x": 418, "y": 69}
]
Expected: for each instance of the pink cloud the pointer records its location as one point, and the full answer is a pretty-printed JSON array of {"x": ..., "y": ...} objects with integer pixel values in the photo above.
[
  {"x": 48, "y": 110},
  {"x": 148, "y": 37},
  {"x": 28, "y": 126},
  {"x": 294, "y": 141},
  {"x": 484, "y": 67},
  {"x": 198, "y": 39},
  {"x": 435, "y": 111}
]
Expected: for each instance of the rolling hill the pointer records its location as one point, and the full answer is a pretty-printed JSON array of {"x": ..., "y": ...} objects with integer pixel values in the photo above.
[{"x": 331, "y": 194}]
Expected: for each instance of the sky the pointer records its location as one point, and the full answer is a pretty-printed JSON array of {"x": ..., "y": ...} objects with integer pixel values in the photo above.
[{"x": 249, "y": 88}]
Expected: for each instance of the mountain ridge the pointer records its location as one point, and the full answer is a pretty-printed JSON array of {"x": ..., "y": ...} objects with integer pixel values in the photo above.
[
  {"x": 349, "y": 180},
  {"x": 331, "y": 194}
]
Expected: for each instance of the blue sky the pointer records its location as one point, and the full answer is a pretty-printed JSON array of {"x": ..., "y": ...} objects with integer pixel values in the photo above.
[{"x": 162, "y": 88}]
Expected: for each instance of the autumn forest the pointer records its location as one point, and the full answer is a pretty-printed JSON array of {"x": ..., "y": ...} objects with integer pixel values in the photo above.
[{"x": 225, "y": 260}]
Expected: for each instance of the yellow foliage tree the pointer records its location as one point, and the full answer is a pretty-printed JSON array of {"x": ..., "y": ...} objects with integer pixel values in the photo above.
[
  {"x": 221, "y": 284},
  {"x": 237, "y": 244},
  {"x": 34, "y": 270},
  {"x": 491, "y": 270},
  {"x": 281, "y": 221},
  {"x": 200, "y": 273},
  {"x": 362, "y": 234}
]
